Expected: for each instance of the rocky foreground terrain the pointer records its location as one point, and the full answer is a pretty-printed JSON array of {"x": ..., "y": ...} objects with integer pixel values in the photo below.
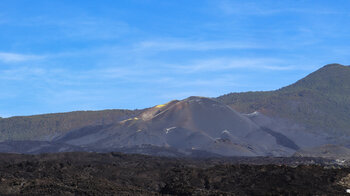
[{"x": 120, "y": 174}]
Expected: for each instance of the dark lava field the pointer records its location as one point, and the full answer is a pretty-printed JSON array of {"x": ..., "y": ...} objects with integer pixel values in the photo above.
[{"x": 121, "y": 174}]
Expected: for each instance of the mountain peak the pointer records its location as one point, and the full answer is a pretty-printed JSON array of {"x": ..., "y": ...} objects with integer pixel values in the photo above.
[
  {"x": 331, "y": 78},
  {"x": 333, "y": 65},
  {"x": 330, "y": 70},
  {"x": 152, "y": 112},
  {"x": 196, "y": 98}
]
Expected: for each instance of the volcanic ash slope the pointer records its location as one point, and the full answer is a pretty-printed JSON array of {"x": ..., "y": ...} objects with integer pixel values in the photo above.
[{"x": 194, "y": 123}]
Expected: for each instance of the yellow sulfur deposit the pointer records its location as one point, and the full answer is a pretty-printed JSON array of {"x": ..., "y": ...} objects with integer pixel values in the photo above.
[
  {"x": 160, "y": 106},
  {"x": 130, "y": 119}
]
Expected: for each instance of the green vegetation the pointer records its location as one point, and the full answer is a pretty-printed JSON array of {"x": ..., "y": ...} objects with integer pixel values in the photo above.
[
  {"x": 50, "y": 125},
  {"x": 320, "y": 101}
]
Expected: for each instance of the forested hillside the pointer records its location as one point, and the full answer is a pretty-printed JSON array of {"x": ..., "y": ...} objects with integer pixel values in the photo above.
[{"x": 319, "y": 101}]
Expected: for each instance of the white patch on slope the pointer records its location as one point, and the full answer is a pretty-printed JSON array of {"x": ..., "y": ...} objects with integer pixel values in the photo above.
[
  {"x": 167, "y": 130},
  {"x": 225, "y": 131},
  {"x": 253, "y": 114}
]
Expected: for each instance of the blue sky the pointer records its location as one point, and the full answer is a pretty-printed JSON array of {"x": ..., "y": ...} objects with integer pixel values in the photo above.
[{"x": 63, "y": 55}]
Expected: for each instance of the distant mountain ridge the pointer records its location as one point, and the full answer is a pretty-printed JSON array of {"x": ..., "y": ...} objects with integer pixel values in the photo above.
[
  {"x": 47, "y": 126},
  {"x": 320, "y": 101},
  {"x": 311, "y": 114}
]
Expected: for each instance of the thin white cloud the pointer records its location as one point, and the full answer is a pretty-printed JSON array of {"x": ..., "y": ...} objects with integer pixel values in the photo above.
[
  {"x": 229, "y": 7},
  {"x": 16, "y": 57},
  {"x": 82, "y": 97},
  {"x": 70, "y": 77},
  {"x": 164, "y": 45},
  {"x": 184, "y": 94},
  {"x": 213, "y": 81},
  {"x": 219, "y": 64},
  {"x": 95, "y": 29},
  {"x": 116, "y": 72},
  {"x": 266, "y": 8},
  {"x": 80, "y": 27},
  {"x": 22, "y": 73}
]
